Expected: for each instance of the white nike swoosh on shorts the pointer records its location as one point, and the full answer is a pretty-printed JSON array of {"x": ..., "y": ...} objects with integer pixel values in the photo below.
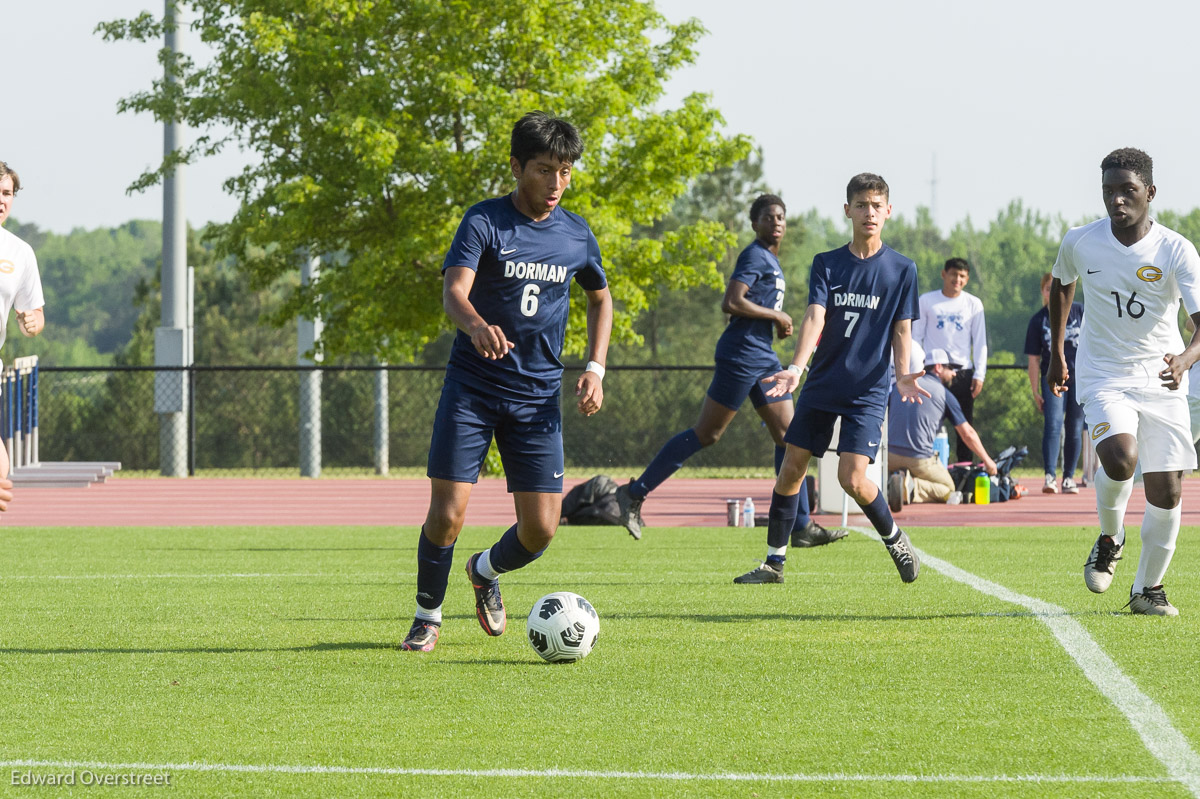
[{"x": 559, "y": 474}]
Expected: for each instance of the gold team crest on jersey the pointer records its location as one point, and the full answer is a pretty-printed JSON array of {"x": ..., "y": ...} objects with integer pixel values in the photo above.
[
  {"x": 7, "y": 267},
  {"x": 1149, "y": 273}
]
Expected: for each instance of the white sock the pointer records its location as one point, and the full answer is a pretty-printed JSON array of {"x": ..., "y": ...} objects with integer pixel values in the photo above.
[
  {"x": 780, "y": 551},
  {"x": 434, "y": 616},
  {"x": 483, "y": 565},
  {"x": 1160, "y": 528},
  {"x": 1112, "y": 496}
]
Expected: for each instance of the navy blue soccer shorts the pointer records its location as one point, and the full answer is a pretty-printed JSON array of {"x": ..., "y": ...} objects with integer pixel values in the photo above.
[
  {"x": 528, "y": 435},
  {"x": 734, "y": 381},
  {"x": 812, "y": 429}
]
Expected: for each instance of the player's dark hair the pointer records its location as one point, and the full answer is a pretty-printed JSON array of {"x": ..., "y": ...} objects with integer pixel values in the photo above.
[
  {"x": 866, "y": 182},
  {"x": 1133, "y": 159},
  {"x": 1047, "y": 279},
  {"x": 8, "y": 172},
  {"x": 957, "y": 263},
  {"x": 537, "y": 132},
  {"x": 762, "y": 203}
]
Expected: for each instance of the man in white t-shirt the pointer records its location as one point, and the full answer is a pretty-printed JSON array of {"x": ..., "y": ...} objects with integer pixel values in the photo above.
[
  {"x": 20, "y": 288},
  {"x": 952, "y": 320},
  {"x": 1131, "y": 368}
]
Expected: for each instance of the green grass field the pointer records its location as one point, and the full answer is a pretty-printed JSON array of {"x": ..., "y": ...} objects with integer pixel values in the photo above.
[{"x": 142, "y": 651}]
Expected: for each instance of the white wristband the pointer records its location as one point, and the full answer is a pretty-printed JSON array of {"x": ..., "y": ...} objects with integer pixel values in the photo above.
[
  {"x": 593, "y": 366},
  {"x": 794, "y": 369}
]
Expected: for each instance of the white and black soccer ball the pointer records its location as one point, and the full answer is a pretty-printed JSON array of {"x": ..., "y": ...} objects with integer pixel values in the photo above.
[{"x": 562, "y": 627}]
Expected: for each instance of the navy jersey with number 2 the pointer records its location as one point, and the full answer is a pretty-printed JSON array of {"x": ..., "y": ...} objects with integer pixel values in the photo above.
[
  {"x": 523, "y": 272},
  {"x": 745, "y": 340},
  {"x": 863, "y": 299}
]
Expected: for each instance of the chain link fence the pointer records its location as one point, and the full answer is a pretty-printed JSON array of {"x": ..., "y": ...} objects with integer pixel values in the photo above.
[{"x": 249, "y": 421}]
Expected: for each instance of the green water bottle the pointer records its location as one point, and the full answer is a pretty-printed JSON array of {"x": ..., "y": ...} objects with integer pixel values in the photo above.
[{"x": 983, "y": 489}]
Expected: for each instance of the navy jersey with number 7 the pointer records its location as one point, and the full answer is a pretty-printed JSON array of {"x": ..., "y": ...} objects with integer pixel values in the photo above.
[
  {"x": 523, "y": 272},
  {"x": 863, "y": 299}
]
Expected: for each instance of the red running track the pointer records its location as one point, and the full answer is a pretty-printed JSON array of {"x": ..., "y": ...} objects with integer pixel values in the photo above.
[{"x": 159, "y": 502}]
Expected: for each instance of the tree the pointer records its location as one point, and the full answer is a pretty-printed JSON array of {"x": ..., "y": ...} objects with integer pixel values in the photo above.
[
  {"x": 688, "y": 313},
  {"x": 377, "y": 123},
  {"x": 1007, "y": 264},
  {"x": 88, "y": 278}
]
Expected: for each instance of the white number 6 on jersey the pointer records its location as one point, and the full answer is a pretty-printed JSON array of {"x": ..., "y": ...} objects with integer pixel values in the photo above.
[{"x": 529, "y": 300}]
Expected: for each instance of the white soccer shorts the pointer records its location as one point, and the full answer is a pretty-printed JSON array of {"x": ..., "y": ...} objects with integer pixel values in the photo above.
[{"x": 1160, "y": 421}]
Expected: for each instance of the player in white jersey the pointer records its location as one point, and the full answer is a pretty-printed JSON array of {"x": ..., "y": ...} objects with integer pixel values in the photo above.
[
  {"x": 20, "y": 287},
  {"x": 1131, "y": 368}
]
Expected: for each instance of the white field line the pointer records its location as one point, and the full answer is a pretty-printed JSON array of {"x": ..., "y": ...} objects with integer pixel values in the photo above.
[
  {"x": 1149, "y": 720},
  {"x": 553, "y": 773}
]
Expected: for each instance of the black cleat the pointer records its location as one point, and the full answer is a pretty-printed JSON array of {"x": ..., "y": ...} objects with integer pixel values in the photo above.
[
  {"x": 489, "y": 607},
  {"x": 766, "y": 573},
  {"x": 905, "y": 558},
  {"x": 814, "y": 535},
  {"x": 631, "y": 511},
  {"x": 422, "y": 636}
]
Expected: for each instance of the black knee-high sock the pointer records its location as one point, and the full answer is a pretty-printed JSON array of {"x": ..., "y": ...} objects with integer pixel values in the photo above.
[
  {"x": 433, "y": 572},
  {"x": 781, "y": 519},
  {"x": 803, "y": 509},
  {"x": 509, "y": 554},
  {"x": 881, "y": 519}
]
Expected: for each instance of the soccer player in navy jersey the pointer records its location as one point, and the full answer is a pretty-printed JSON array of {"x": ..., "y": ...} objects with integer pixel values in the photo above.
[
  {"x": 507, "y": 290},
  {"x": 754, "y": 302},
  {"x": 862, "y": 299}
]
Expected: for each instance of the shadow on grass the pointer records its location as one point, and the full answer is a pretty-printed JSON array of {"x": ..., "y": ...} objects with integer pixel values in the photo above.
[
  {"x": 742, "y": 618},
  {"x": 201, "y": 650},
  {"x": 281, "y": 549}
]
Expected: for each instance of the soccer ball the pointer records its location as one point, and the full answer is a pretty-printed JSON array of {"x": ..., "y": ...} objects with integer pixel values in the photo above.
[{"x": 562, "y": 627}]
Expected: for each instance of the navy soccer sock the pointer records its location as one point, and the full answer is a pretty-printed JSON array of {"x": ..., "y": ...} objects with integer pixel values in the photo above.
[
  {"x": 668, "y": 460},
  {"x": 509, "y": 554},
  {"x": 433, "y": 572},
  {"x": 781, "y": 518},
  {"x": 804, "y": 508},
  {"x": 881, "y": 519}
]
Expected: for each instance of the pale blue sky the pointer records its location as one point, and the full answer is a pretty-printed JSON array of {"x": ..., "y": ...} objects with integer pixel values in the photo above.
[{"x": 1017, "y": 100}]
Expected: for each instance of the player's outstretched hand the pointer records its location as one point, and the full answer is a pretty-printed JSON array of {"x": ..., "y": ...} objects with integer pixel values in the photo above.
[
  {"x": 1173, "y": 374},
  {"x": 909, "y": 390},
  {"x": 490, "y": 342},
  {"x": 590, "y": 391},
  {"x": 6, "y": 493},
  {"x": 1057, "y": 375},
  {"x": 784, "y": 382}
]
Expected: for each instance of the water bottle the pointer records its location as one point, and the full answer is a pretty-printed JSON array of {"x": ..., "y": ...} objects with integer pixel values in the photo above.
[
  {"x": 748, "y": 513},
  {"x": 983, "y": 489},
  {"x": 941, "y": 447}
]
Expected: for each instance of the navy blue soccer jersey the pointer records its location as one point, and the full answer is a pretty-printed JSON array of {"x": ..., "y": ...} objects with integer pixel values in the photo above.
[
  {"x": 863, "y": 299},
  {"x": 745, "y": 340},
  {"x": 523, "y": 272}
]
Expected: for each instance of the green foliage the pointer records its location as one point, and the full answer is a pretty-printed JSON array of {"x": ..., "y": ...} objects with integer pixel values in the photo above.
[
  {"x": 375, "y": 125},
  {"x": 1007, "y": 264},
  {"x": 89, "y": 279},
  {"x": 228, "y": 315},
  {"x": 671, "y": 328}
]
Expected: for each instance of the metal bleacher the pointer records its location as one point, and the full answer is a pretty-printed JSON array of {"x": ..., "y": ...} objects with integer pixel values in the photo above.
[{"x": 19, "y": 424}]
